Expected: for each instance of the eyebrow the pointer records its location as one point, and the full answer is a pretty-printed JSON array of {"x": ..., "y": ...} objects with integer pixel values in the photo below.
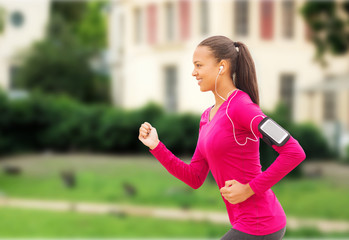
[{"x": 196, "y": 62}]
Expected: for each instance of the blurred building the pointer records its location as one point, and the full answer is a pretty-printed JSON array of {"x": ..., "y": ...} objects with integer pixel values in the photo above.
[
  {"x": 152, "y": 42},
  {"x": 21, "y": 24}
]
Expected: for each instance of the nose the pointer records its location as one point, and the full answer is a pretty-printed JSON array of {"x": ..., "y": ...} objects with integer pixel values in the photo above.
[{"x": 194, "y": 73}]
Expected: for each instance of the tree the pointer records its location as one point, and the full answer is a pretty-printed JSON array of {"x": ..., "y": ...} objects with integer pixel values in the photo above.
[
  {"x": 86, "y": 19},
  {"x": 92, "y": 29},
  {"x": 61, "y": 63},
  {"x": 329, "y": 25}
]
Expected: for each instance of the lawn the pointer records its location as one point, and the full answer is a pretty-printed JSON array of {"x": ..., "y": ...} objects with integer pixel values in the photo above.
[
  {"x": 23, "y": 223},
  {"x": 37, "y": 223},
  {"x": 103, "y": 179}
]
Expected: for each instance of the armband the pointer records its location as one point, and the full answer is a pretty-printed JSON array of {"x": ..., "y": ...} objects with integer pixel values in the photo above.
[{"x": 273, "y": 133}]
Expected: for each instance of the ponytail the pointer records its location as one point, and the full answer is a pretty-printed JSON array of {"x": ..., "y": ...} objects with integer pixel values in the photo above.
[
  {"x": 241, "y": 64},
  {"x": 245, "y": 75}
]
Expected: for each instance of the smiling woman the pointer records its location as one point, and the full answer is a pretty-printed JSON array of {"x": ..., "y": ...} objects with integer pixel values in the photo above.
[
  {"x": 226, "y": 68},
  {"x": 205, "y": 69}
]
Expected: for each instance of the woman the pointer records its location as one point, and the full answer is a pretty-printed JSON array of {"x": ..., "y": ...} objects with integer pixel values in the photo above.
[{"x": 228, "y": 142}]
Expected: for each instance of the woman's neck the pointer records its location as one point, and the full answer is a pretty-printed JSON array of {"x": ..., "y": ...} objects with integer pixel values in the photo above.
[
  {"x": 224, "y": 86},
  {"x": 225, "y": 94}
]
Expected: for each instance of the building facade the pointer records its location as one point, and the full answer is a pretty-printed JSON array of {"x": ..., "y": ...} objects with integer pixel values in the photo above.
[
  {"x": 22, "y": 23},
  {"x": 152, "y": 43}
]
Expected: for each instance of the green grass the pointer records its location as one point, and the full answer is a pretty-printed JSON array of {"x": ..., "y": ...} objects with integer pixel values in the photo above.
[
  {"x": 101, "y": 178},
  {"x": 34, "y": 223},
  {"x": 313, "y": 198},
  {"x": 17, "y": 223}
]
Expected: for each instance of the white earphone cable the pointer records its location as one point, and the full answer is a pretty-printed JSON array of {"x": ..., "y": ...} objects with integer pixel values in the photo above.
[
  {"x": 226, "y": 112},
  {"x": 215, "y": 85}
]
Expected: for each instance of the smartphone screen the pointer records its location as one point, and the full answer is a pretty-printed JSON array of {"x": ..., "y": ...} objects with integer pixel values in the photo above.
[{"x": 274, "y": 131}]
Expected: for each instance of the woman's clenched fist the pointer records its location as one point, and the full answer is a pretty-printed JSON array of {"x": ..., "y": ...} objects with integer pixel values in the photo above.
[{"x": 148, "y": 135}]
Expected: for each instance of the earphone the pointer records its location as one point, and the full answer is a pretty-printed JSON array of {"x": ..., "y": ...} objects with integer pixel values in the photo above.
[{"x": 220, "y": 69}]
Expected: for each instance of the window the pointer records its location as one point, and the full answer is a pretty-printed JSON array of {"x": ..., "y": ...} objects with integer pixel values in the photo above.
[
  {"x": 137, "y": 25},
  {"x": 309, "y": 34},
  {"x": 241, "y": 17},
  {"x": 2, "y": 19},
  {"x": 15, "y": 90},
  {"x": 170, "y": 21},
  {"x": 287, "y": 82},
  {"x": 14, "y": 70},
  {"x": 267, "y": 19},
  {"x": 152, "y": 23},
  {"x": 329, "y": 105},
  {"x": 288, "y": 18},
  {"x": 17, "y": 19},
  {"x": 184, "y": 13},
  {"x": 204, "y": 20},
  {"x": 171, "y": 88}
]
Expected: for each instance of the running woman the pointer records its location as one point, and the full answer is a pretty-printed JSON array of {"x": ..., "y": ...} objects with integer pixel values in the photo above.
[{"x": 228, "y": 142}]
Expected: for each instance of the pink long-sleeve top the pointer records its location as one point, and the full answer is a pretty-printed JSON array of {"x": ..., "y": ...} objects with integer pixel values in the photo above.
[{"x": 237, "y": 157}]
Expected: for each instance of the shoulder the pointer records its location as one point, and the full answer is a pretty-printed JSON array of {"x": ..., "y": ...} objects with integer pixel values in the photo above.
[
  {"x": 241, "y": 100},
  {"x": 243, "y": 109}
]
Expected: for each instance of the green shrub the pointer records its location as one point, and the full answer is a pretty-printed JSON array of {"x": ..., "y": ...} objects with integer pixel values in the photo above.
[
  {"x": 345, "y": 159},
  {"x": 179, "y": 132},
  {"x": 20, "y": 126},
  {"x": 60, "y": 123},
  {"x": 312, "y": 140}
]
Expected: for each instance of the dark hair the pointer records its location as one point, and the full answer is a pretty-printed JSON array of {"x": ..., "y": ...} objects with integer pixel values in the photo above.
[{"x": 241, "y": 63}]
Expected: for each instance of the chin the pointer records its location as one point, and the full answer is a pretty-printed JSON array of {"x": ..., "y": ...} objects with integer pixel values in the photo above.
[{"x": 204, "y": 89}]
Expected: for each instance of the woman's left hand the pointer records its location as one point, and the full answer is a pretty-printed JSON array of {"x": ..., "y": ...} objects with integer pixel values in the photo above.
[{"x": 235, "y": 192}]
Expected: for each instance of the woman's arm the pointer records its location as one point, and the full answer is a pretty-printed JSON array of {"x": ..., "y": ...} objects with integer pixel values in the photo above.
[
  {"x": 291, "y": 154},
  {"x": 193, "y": 174}
]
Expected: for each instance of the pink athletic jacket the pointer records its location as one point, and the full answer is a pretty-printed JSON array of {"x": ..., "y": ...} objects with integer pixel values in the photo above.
[{"x": 234, "y": 157}]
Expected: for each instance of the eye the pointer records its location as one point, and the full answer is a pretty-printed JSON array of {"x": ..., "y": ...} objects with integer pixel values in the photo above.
[{"x": 198, "y": 65}]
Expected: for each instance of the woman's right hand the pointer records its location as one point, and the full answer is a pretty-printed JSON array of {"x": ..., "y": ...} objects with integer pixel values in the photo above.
[{"x": 148, "y": 135}]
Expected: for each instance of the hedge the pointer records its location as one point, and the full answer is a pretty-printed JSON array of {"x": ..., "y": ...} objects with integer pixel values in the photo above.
[{"x": 58, "y": 123}]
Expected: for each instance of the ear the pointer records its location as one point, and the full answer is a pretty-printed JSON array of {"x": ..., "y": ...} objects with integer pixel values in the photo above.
[{"x": 225, "y": 65}]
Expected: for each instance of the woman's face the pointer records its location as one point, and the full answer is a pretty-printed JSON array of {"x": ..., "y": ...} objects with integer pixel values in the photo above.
[{"x": 205, "y": 68}]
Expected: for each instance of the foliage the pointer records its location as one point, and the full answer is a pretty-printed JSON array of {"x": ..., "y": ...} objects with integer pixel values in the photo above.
[
  {"x": 92, "y": 29},
  {"x": 179, "y": 132},
  {"x": 48, "y": 70},
  {"x": 60, "y": 123},
  {"x": 85, "y": 19},
  {"x": 312, "y": 140},
  {"x": 329, "y": 24},
  {"x": 345, "y": 159},
  {"x": 62, "y": 62},
  {"x": 72, "y": 11}
]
